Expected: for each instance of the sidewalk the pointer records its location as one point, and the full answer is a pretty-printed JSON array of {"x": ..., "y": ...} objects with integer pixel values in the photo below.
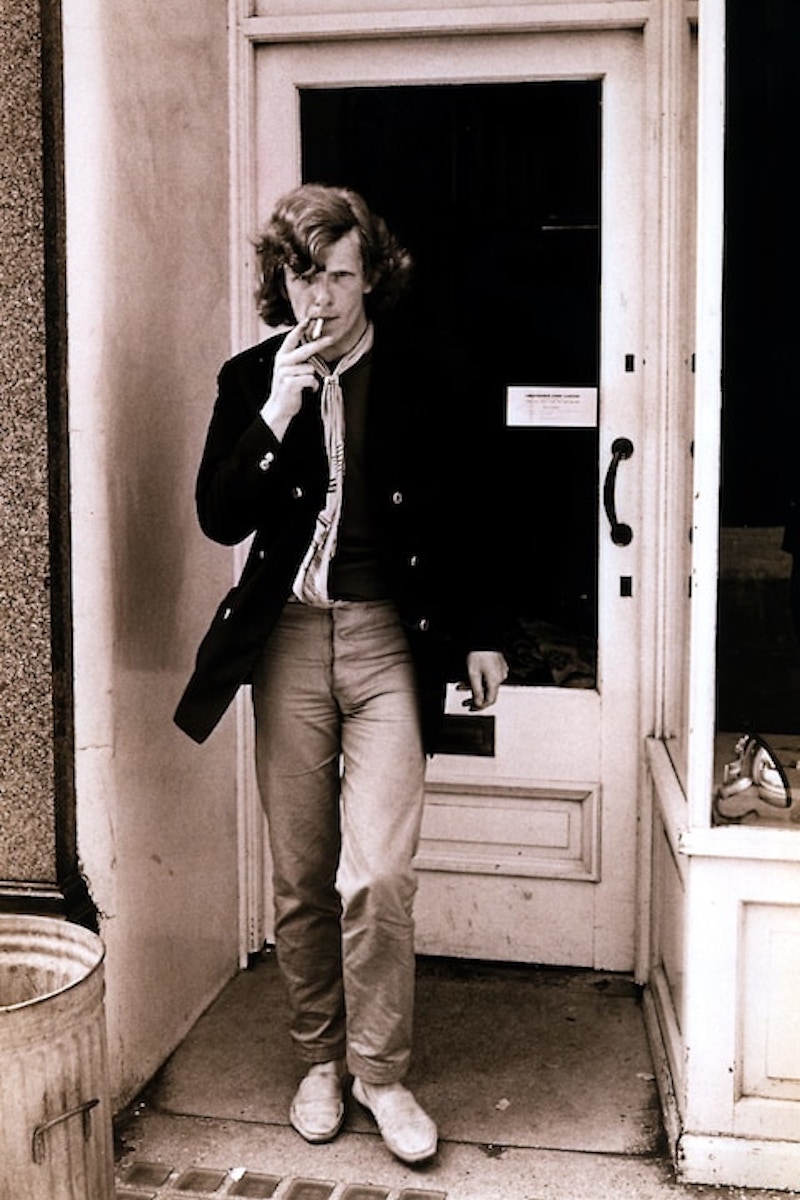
[{"x": 540, "y": 1082}]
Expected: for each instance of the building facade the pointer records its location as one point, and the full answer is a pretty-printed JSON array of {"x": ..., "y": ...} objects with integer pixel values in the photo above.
[{"x": 559, "y": 171}]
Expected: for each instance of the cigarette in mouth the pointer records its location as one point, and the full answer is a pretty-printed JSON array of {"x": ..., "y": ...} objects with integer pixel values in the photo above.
[{"x": 316, "y": 329}]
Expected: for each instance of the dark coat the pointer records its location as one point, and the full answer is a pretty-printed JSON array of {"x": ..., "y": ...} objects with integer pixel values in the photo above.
[{"x": 249, "y": 483}]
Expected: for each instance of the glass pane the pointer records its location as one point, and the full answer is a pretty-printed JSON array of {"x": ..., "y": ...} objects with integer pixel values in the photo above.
[
  {"x": 759, "y": 615},
  {"x": 758, "y": 633},
  {"x": 495, "y": 189}
]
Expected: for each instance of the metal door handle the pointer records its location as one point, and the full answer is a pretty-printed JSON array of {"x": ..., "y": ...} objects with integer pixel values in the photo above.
[{"x": 621, "y": 534}]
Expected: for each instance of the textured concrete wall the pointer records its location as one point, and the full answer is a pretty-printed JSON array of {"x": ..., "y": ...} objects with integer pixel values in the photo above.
[
  {"x": 27, "y": 805},
  {"x": 114, "y": 295},
  {"x": 146, "y": 179}
]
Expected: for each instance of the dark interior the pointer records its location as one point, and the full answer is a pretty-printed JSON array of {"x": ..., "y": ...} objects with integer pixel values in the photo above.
[
  {"x": 758, "y": 659},
  {"x": 504, "y": 228}
]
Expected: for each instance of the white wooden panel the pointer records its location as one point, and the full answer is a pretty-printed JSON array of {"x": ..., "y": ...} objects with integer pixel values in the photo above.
[
  {"x": 544, "y": 832},
  {"x": 770, "y": 1002},
  {"x": 742, "y": 934},
  {"x": 303, "y": 19},
  {"x": 347, "y": 11},
  {"x": 739, "y": 1162},
  {"x": 669, "y": 913},
  {"x": 531, "y": 728},
  {"x": 548, "y": 921}
]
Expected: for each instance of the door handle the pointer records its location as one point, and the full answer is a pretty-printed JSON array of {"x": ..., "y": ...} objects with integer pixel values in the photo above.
[{"x": 621, "y": 534}]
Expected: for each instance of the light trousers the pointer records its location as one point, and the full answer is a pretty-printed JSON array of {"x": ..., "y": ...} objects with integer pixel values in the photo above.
[{"x": 340, "y": 769}]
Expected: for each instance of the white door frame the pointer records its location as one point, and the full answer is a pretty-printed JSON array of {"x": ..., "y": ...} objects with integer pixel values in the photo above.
[{"x": 247, "y": 34}]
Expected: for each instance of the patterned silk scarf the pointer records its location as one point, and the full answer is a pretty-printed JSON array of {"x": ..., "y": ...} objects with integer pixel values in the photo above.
[{"x": 311, "y": 582}]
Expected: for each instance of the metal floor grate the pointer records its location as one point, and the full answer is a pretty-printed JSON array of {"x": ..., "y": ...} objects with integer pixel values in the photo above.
[{"x": 160, "y": 1181}]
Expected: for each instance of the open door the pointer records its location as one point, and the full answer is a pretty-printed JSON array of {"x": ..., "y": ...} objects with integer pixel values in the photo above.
[{"x": 512, "y": 170}]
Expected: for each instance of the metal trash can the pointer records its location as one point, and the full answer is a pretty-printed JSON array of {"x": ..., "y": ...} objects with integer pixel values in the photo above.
[{"x": 55, "y": 1114}]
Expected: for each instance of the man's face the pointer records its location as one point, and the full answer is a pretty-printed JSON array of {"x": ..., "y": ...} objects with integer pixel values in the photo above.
[{"x": 335, "y": 291}]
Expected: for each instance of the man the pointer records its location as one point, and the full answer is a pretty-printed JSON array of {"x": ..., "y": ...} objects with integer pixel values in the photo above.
[{"x": 325, "y": 444}]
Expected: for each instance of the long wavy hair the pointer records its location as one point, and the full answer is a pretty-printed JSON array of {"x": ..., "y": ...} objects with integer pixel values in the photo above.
[{"x": 305, "y": 222}]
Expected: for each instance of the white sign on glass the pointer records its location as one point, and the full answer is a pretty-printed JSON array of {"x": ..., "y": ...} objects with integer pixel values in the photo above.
[{"x": 552, "y": 407}]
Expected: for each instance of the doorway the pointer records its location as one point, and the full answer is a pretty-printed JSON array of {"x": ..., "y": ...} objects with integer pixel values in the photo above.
[{"x": 513, "y": 171}]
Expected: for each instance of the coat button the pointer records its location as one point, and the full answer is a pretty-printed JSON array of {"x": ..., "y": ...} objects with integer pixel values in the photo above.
[
  {"x": 266, "y": 462},
  {"x": 297, "y": 493},
  {"x": 397, "y": 497}
]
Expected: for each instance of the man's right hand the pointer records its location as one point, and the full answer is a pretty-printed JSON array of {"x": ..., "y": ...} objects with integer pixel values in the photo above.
[{"x": 293, "y": 373}]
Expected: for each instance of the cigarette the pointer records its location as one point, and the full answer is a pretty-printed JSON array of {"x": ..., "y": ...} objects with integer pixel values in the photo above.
[{"x": 316, "y": 329}]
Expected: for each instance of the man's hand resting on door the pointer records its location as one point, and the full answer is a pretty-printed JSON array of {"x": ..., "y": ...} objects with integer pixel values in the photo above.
[{"x": 486, "y": 670}]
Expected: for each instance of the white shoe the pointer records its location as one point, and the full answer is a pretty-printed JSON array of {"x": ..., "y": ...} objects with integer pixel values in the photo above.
[
  {"x": 317, "y": 1111},
  {"x": 405, "y": 1127}
]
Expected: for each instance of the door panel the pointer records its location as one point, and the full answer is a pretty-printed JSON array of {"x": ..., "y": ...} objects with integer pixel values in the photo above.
[{"x": 512, "y": 169}]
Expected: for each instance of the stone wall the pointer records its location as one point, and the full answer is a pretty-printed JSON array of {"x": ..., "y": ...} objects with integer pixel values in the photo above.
[{"x": 36, "y": 802}]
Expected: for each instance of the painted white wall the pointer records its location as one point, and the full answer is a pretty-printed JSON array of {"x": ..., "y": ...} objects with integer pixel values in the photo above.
[{"x": 146, "y": 115}]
